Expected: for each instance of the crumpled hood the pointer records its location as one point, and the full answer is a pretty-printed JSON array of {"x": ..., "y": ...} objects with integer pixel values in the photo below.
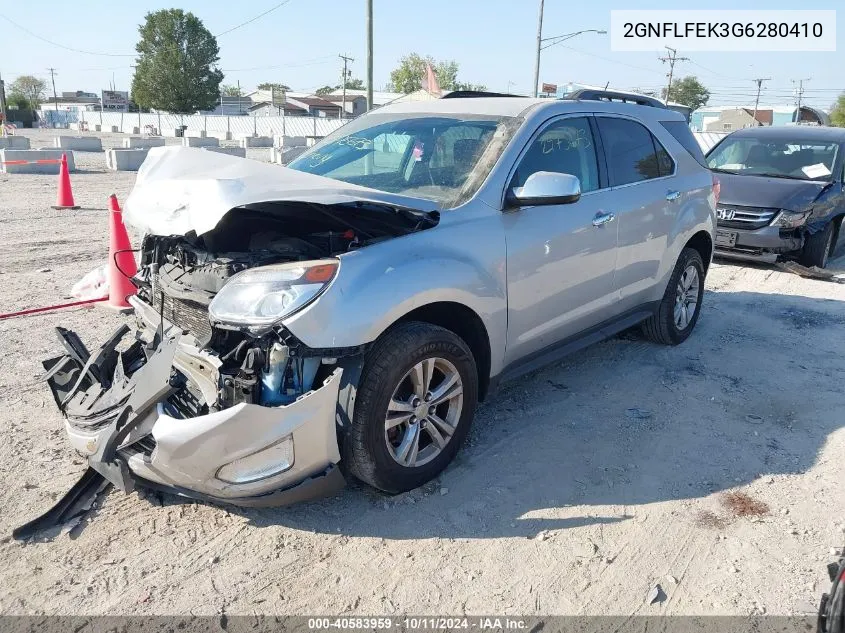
[
  {"x": 183, "y": 189},
  {"x": 774, "y": 193}
]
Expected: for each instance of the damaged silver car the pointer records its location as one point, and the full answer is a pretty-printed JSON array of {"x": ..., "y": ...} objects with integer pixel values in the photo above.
[{"x": 346, "y": 314}]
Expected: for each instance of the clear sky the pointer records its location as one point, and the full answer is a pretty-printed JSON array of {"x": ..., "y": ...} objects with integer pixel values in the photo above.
[{"x": 492, "y": 40}]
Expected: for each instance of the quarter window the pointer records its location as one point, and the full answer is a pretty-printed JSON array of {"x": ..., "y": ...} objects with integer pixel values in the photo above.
[
  {"x": 633, "y": 154},
  {"x": 565, "y": 146}
]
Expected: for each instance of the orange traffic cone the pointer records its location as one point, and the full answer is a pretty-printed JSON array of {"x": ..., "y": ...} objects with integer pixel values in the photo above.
[
  {"x": 64, "y": 198},
  {"x": 121, "y": 260}
]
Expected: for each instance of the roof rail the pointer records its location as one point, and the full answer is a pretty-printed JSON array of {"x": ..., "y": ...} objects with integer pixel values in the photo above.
[
  {"x": 590, "y": 94},
  {"x": 464, "y": 94}
]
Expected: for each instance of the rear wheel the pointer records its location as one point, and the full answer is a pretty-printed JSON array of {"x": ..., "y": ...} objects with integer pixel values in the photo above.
[
  {"x": 818, "y": 246},
  {"x": 678, "y": 311},
  {"x": 416, "y": 399}
]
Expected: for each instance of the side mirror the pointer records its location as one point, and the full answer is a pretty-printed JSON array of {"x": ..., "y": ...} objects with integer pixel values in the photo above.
[{"x": 546, "y": 187}]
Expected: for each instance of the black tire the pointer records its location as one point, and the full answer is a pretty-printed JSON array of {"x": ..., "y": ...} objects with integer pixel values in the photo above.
[
  {"x": 818, "y": 246},
  {"x": 661, "y": 327},
  {"x": 394, "y": 354}
]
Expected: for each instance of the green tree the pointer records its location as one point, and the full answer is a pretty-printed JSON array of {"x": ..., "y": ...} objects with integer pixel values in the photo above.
[
  {"x": 29, "y": 88},
  {"x": 177, "y": 63},
  {"x": 351, "y": 84},
  {"x": 228, "y": 90},
  {"x": 688, "y": 91},
  {"x": 408, "y": 75},
  {"x": 267, "y": 85},
  {"x": 837, "y": 113}
]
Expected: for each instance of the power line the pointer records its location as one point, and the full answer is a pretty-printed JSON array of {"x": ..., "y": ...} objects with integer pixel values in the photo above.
[
  {"x": 608, "y": 59},
  {"x": 251, "y": 20},
  {"x": 67, "y": 48},
  {"x": 308, "y": 62}
]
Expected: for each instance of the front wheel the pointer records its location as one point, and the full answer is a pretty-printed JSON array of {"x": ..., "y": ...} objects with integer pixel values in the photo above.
[
  {"x": 818, "y": 246},
  {"x": 416, "y": 399},
  {"x": 678, "y": 311}
]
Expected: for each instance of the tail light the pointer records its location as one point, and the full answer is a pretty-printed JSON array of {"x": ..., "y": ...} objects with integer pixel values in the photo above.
[{"x": 717, "y": 189}]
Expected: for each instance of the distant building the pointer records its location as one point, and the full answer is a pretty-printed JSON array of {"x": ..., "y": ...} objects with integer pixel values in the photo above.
[
  {"x": 265, "y": 108},
  {"x": 380, "y": 98},
  {"x": 355, "y": 104},
  {"x": 728, "y": 118}
]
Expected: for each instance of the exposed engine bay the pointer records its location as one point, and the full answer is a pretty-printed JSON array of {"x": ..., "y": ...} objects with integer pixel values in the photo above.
[{"x": 180, "y": 275}]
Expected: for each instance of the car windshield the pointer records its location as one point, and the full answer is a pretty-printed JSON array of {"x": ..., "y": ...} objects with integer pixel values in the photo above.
[
  {"x": 441, "y": 158},
  {"x": 799, "y": 159}
]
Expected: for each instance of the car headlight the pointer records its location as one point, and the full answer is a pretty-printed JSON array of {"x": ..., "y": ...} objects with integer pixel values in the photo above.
[
  {"x": 790, "y": 219},
  {"x": 262, "y": 296}
]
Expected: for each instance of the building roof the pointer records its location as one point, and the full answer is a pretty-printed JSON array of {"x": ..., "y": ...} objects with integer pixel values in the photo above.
[
  {"x": 380, "y": 97},
  {"x": 339, "y": 98},
  {"x": 316, "y": 102},
  {"x": 288, "y": 106},
  {"x": 764, "y": 117}
]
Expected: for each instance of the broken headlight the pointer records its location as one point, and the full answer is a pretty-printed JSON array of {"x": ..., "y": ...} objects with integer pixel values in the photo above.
[
  {"x": 790, "y": 219},
  {"x": 262, "y": 296}
]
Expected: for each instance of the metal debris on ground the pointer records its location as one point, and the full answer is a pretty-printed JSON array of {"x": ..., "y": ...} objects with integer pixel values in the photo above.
[{"x": 812, "y": 272}]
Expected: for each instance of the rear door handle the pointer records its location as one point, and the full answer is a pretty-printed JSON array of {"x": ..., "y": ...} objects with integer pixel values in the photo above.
[
  {"x": 673, "y": 195},
  {"x": 603, "y": 218}
]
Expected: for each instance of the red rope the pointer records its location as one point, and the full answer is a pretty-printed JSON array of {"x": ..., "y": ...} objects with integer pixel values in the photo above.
[{"x": 9, "y": 315}]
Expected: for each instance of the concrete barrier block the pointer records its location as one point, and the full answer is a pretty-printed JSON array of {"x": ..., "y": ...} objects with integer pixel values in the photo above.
[
  {"x": 194, "y": 141},
  {"x": 111, "y": 128},
  {"x": 222, "y": 136},
  {"x": 125, "y": 159},
  {"x": 282, "y": 156},
  {"x": 79, "y": 143},
  {"x": 14, "y": 142},
  {"x": 98, "y": 127},
  {"x": 231, "y": 151},
  {"x": 289, "y": 141},
  {"x": 31, "y": 155},
  {"x": 256, "y": 141},
  {"x": 143, "y": 142},
  {"x": 136, "y": 130}
]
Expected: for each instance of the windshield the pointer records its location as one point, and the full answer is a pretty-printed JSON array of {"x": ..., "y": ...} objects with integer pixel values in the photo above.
[
  {"x": 441, "y": 158},
  {"x": 804, "y": 160}
]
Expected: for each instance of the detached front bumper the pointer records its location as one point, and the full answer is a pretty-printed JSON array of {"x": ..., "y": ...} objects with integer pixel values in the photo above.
[
  {"x": 760, "y": 245},
  {"x": 116, "y": 405}
]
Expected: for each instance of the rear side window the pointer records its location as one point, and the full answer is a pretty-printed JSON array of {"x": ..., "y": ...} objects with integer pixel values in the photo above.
[
  {"x": 633, "y": 154},
  {"x": 680, "y": 130}
]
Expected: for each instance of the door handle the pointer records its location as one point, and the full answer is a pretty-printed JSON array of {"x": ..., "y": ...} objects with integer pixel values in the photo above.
[
  {"x": 603, "y": 218},
  {"x": 671, "y": 196}
]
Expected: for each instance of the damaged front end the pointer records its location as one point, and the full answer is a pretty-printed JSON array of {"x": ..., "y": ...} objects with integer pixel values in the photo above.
[{"x": 212, "y": 397}]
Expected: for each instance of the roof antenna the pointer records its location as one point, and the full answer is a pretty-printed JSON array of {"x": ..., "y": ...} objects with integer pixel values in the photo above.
[{"x": 606, "y": 85}]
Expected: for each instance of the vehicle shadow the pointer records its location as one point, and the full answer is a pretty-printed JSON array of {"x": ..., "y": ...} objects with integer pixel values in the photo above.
[{"x": 754, "y": 392}]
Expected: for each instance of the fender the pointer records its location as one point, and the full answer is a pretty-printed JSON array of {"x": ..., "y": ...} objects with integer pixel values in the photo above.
[{"x": 461, "y": 262}]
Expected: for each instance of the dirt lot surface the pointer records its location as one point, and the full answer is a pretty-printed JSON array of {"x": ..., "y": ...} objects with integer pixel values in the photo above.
[{"x": 713, "y": 469}]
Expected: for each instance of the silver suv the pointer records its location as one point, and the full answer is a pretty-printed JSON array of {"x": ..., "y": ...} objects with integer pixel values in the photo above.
[{"x": 348, "y": 313}]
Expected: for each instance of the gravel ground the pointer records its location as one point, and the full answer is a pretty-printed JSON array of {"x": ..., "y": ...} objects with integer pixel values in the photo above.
[{"x": 713, "y": 469}]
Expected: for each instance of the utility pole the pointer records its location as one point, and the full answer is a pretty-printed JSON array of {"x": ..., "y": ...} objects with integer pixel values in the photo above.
[
  {"x": 759, "y": 83},
  {"x": 369, "y": 55},
  {"x": 346, "y": 60},
  {"x": 539, "y": 43},
  {"x": 671, "y": 58},
  {"x": 2, "y": 105},
  {"x": 799, "y": 92},
  {"x": 53, "y": 79}
]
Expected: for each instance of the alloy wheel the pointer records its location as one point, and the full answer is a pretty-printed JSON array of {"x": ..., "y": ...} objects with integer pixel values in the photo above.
[
  {"x": 686, "y": 297},
  {"x": 423, "y": 412}
]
